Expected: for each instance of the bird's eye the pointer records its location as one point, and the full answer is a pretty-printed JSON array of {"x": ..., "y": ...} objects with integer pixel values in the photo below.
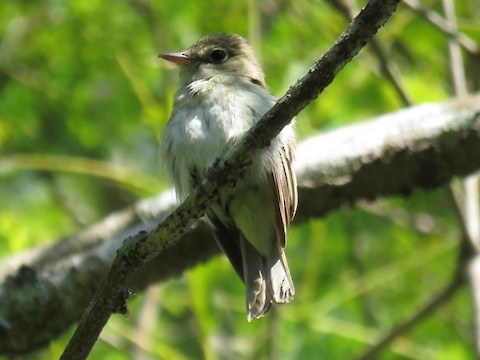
[{"x": 218, "y": 55}]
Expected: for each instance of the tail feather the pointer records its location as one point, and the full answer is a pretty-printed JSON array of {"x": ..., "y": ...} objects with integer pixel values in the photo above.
[
  {"x": 279, "y": 281},
  {"x": 255, "y": 282},
  {"x": 267, "y": 280}
]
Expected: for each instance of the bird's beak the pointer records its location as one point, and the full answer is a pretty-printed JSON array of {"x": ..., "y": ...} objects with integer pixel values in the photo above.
[{"x": 178, "y": 58}]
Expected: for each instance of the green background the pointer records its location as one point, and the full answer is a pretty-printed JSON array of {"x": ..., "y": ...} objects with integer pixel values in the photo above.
[{"x": 83, "y": 100}]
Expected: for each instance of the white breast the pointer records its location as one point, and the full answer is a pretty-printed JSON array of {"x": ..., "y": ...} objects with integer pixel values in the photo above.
[{"x": 209, "y": 116}]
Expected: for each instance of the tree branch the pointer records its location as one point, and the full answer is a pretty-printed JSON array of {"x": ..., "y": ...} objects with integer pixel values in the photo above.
[{"x": 421, "y": 146}]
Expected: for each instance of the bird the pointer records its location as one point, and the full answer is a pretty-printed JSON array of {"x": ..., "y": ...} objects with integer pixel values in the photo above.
[{"x": 221, "y": 94}]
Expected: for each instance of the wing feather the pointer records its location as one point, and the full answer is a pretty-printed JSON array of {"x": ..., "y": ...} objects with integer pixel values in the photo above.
[{"x": 285, "y": 184}]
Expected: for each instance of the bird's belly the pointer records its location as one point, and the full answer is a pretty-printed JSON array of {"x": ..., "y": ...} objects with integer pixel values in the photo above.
[
  {"x": 204, "y": 142},
  {"x": 197, "y": 142}
]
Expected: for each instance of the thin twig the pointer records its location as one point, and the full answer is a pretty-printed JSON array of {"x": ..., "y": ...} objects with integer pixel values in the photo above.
[
  {"x": 465, "y": 255},
  {"x": 456, "y": 64},
  {"x": 469, "y": 217},
  {"x": 441, "y": 24},
  {"x": 472, "y": 262},
  {"x": 387, "y": 67},
  {"x": 391, "y": 72},
  {"x": 426, "y": 310}
]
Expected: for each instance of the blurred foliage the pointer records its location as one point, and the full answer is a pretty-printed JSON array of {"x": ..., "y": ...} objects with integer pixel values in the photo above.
[{"x": 83, "y": 101}]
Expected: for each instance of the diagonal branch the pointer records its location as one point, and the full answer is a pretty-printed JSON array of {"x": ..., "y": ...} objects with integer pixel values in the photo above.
[
  {"x": 421, "y": 314},
  {"x": 388, "y": 68}
]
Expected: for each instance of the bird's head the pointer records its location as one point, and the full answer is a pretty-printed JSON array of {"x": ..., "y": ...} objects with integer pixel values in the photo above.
[{"x": 217, "y": 55}]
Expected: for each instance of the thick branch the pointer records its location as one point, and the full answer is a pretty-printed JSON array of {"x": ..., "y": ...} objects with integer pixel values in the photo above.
[{"x": 420, "y": 147}]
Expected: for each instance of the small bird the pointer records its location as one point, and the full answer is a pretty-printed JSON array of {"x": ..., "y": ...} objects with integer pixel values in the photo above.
[{"x": 221, "y": 95}]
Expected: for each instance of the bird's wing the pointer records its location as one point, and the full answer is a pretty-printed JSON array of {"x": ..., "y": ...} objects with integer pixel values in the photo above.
[{"x": 285, "y": 184}]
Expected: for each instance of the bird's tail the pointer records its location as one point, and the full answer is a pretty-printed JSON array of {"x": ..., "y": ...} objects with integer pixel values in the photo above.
[{"x": 267, "y": 279}]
